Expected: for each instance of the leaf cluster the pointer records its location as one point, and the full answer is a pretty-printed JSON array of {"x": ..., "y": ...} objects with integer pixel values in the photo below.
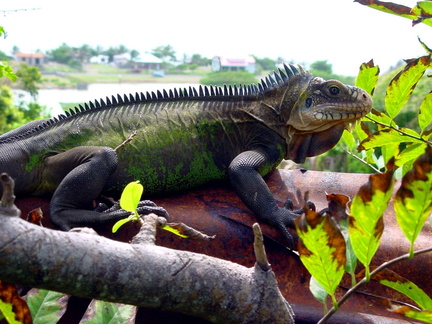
[
  {"x": 379, "y": 137},
  {"x": 394, "y": 152},
  {"x": 329, "y": 248}
]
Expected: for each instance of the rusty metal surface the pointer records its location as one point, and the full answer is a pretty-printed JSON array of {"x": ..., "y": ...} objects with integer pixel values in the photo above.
[{"x": 216, "y": 210}]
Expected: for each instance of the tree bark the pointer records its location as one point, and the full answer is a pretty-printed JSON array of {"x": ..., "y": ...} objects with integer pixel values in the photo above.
[{"x": 139, "y": 273}]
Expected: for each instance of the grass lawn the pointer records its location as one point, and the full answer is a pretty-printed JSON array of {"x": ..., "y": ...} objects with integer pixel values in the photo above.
[{"x": 60, "y": 76}]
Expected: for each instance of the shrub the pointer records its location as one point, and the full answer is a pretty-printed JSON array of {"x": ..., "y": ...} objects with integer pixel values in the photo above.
[{"x": 229, "y": 78}]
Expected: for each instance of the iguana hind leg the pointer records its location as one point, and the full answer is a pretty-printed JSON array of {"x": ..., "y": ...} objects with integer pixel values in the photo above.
[{"x": 81, "y": 174}]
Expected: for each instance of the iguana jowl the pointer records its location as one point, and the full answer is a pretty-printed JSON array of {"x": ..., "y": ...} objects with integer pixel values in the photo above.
[{"x": 184, "y": 138}]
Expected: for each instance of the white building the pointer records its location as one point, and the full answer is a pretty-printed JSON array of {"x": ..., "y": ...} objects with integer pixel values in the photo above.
[
  {"x": 99, "y": 59},
  {"x": 222, "y": 63}
]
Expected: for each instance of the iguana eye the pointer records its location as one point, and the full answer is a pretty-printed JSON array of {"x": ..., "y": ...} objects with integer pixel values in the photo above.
[
  {"x": 308, "y": 102},
  {"x": 334, "y": 90}
]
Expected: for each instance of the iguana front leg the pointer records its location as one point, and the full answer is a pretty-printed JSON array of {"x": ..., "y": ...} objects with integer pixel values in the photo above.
[
  {"x": 254, "y": 192},
  {"x": 81, "y": 174}
]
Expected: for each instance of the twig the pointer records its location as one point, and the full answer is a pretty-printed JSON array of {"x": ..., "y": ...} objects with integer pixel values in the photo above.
[
  {"x": 126, "y": 141},
  {"x": 260, "y": 253},
  {"x": 8, "y": 197},
  {"x": 363, "y": 161},
  {"x": 363, "y": 281},
  {"x": 399, "y": 131},
  {"x": 394, "y": 301}
]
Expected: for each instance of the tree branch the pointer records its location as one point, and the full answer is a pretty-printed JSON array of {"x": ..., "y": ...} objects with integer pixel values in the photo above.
[{"x": 140, "y": 274}]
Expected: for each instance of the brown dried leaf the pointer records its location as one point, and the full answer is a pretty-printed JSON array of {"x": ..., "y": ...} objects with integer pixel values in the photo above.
[
  {"x": 9, "y": 295},
  {"x": 389, "y": 7},
  {"x": 337, "y": 206},
  {"x": 35, "y": 216}
]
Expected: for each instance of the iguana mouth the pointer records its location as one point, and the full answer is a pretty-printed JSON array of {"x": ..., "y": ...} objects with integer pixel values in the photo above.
[{"x": 339, "y": 115}]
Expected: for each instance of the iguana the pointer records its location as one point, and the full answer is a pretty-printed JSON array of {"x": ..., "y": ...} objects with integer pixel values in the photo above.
[{"x": 183, "y": 138}]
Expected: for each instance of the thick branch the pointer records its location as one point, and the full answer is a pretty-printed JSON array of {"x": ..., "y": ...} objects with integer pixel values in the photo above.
[{"x": 139, "y": 274}]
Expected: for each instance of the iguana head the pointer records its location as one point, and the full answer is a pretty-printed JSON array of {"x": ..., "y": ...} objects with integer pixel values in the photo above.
[
  {"x": 320, "y": 104},
  {"x": 314, "y": 112}
]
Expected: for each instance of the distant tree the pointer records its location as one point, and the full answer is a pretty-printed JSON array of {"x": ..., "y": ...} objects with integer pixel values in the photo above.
[
  {"x": 13, "y": 116},
  {"x": 324, "y": 70},
  {"x": 85, "y": 52},
  {"x": 165, "y": 53},
  {"x": 200, "y": 60},
  {"x": 182, "y": 67},
  {"x": 15, "y": 49},
  {"x": 323, "y": 66},
  {"x": 4, "y": 56},
  {"x": 66, "y": 54},
  {"x": 10, "y": 115},
  {"x": 121, "y": 49},
  {"x": 192, "y": 67},
  {"x": 62, "y": 54},
  {"x": 134, "y": 54},
  {"x": 98, "y": 50},
  {"x": 265, "y": 63},
  {"x": 28, "y": 79}
]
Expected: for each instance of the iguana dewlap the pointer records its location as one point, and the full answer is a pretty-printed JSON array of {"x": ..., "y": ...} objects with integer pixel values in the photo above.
[{"x": 183, "y": 138}]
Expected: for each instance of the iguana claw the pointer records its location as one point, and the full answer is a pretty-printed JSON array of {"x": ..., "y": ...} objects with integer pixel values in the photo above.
[
  {"x": 290, "y": 206},
  {"x": 144, "y": 207}
]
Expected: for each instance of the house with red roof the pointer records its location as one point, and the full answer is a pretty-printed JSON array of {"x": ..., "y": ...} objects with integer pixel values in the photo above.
[
  {"x": 32, "y": 59},
  {"x": 223, "y": 63}
]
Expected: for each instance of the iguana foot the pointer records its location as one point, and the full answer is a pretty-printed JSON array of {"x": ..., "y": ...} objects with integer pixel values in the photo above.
[
  {"x": 290, "y": 206},
  {"x": 144, "y": 207},
  {"x": 284, "y": 217}
]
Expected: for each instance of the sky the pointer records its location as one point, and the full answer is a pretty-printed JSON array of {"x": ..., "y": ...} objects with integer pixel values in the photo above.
[{"x": 344, "y": 33}]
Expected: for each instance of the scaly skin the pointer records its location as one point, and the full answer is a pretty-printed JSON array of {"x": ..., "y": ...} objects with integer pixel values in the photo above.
[{"x": 182, "y": 140}]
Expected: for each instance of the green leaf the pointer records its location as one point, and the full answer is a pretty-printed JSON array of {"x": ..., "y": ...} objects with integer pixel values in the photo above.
[
  {"x": 413, "y": 200},
  {"x": 423, "y": 10},
  {"x": 321, "y": 249},
  {"x": 385, "y": 137},
  {"x": 400, "y": 88},
  {"x": 317, "y": 290},
  {"x": 410, "y": 153},
  {"x": 101, "y": 312},
  {"x": 13, "y": 307},
  {"x": 349, "y": 140},
  {"x": 389, "y": 151},
  {"x": 393, "y": 280},
  {"x": 366, "y": 223},
  {"x": 46, "y": 306},
  {"x": 123, "y": 221},
  {"x": 351, "y": 258},
  {"x": 368, "y": 77},
  {"x": 174, "y": 231},
  {"x": 425, "y": 112},
  {"x": 425, "y": 316},
  {"x": 131, "y": 196},
  {"x": 396, "y": 9},
  {"x": 380, "y": 117},
  {"x": 6, "y": 70},
  {"x": 427, "y": 49},
  {"x": 426, "y": 7},
  {"x": 8, "y": 313}
]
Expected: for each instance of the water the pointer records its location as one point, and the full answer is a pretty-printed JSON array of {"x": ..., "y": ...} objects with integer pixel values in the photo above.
[{"x": 51, "y": 98}]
